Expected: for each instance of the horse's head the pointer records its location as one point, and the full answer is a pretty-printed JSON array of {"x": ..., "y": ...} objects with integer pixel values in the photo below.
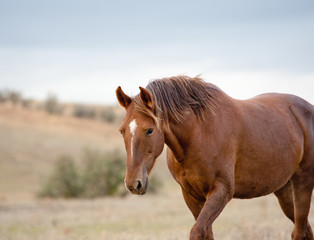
[{"x": 142, "y": 136}]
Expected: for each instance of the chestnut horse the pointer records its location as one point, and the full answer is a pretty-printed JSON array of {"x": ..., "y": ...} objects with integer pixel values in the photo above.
[{"x": 220, "y": 148}]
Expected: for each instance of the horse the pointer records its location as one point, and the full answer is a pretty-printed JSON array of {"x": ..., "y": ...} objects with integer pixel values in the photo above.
[{"x": 219, "y": 148}]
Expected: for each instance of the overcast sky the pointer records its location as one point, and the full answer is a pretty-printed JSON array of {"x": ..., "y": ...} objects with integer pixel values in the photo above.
[{"x": 82, "y": 50}]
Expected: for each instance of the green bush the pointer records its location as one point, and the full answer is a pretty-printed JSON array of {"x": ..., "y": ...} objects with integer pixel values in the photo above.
[
  {"x": 102, "y": 174},
  {"x": 65, "y": 180},
  {"x": 98, "y": 175}
]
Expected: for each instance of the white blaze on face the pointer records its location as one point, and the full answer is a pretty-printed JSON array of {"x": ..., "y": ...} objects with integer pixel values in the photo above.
[{"x": 132, "y": 126}]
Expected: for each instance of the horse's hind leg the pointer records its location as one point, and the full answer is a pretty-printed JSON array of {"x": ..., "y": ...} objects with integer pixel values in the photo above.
[
  {"x": 302, "y": 183},
  {"x": 285, "y": 198}
]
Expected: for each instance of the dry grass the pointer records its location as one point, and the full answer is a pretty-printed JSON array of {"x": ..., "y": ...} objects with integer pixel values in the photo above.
[
  {"x": 31, "y": 140},
  {"x": 163, "y": 216}
]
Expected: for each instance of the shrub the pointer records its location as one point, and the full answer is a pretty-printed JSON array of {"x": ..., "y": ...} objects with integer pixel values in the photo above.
[
  {"x": 64, "y": 181},
  {"x": 108, "y": 115},
  {"x": 14, "y": 97},
  {"x": 51, "y": 105},
  {"x": 84, "y": 112},
  {"x": 102, "y": 174},
  {"x": 98, "y": 175},
  {"x": 10, "y": 96}
]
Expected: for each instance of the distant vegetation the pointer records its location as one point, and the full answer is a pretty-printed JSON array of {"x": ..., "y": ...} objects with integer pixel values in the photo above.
[
  {"x": 108, "y": 115},
  {"x": 12, "y": 96},
  {"x": 96, "y": 175},
  {"x": 83, "y": 111},
  {"x": 105, "y": 114},
  {"x": 52, "y": 106}
]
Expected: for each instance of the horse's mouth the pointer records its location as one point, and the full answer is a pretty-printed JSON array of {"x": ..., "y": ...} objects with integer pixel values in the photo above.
[{"x": 145, "y": 188}]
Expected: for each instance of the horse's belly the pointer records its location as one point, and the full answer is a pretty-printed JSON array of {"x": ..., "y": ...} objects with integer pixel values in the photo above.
[
  {"x": 261, "y": 179},
  {"x": 247, "y": 190}
]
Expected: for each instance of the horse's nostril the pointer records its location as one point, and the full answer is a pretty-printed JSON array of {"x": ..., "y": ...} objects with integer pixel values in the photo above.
[{"x": 139, "y": 185}]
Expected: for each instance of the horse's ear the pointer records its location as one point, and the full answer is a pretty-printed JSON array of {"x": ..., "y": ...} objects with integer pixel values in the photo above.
[
  {"x": 123, "y": 99},
  {"x": 146, "y": 98}
]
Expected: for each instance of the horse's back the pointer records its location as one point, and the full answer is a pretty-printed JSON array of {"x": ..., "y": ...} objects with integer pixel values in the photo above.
[
  {"x": 286, "y": 105},
  {"x": 300, "y": 109}
]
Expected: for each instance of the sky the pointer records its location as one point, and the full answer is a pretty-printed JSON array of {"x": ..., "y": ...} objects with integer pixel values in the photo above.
[{"x": 82, "y": 51}]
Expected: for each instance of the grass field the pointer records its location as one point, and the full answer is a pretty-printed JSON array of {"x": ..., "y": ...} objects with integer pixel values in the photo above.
[
  {"x": 163, "y": 216},
  {"x": 31, "y": 140}
]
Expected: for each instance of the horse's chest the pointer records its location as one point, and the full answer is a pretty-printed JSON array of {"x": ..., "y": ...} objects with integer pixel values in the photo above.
[
  {"x": 194, "y": 179},
  {"x": 194, "y": 182},
  {"x": 194, "y": 187}
]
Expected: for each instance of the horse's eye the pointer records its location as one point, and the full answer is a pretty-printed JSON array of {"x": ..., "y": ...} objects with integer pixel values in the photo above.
[
  {"x": 149, "y": 132},
  {"x": 121, "y": 131}
]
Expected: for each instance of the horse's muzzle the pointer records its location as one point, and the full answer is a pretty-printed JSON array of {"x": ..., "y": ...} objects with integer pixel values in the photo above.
[{"x": 137, "y": 187}]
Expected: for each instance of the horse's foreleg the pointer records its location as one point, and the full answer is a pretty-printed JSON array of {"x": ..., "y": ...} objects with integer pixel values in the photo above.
[{"x": 214, "y": 204}]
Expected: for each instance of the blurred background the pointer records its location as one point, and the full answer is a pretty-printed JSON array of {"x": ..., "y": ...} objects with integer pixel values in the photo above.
[{"x": 61, "y": 156}]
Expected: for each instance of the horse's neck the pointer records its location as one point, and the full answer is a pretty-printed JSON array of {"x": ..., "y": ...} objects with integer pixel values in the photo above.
[
  {"x": 173, "y": 143},
  {"x": 178, "y": 137},
  {"x": 182, "y": 137}
]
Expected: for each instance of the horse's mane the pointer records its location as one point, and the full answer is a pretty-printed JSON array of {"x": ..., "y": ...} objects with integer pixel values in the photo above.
[{"x": 176, "y": 97}]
